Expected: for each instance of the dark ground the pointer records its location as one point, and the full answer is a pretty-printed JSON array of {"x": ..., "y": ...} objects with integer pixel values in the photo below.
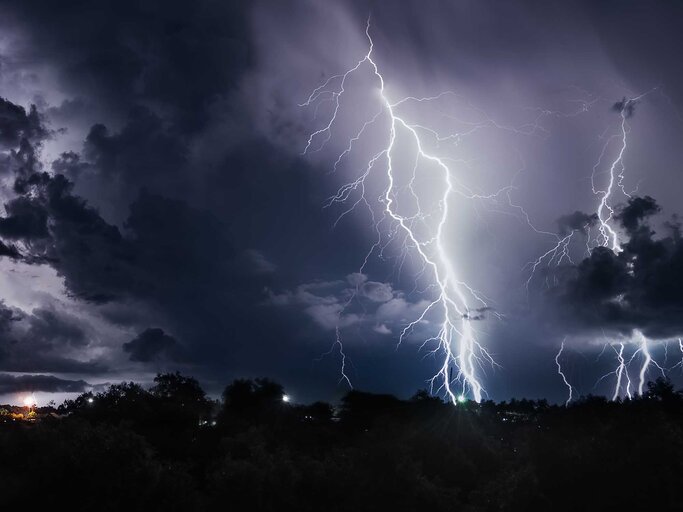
[{"x": 170, "y": 448}]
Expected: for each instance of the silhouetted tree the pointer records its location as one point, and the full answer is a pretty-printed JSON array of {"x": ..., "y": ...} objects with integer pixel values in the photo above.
[
  {"x": 662, "y": 389},
  {"x": 181, "y": 396},
  {"x": 255, "y": 399},
  {"x": 319, "y": 411},
  {"x": 128, "y": 448}
]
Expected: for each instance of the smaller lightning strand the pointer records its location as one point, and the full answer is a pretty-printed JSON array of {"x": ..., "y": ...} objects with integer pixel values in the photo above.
[
  {"x": 646, "y": 363},
  {"x": 561, "y": 374},
  {"x": 644, "y": 349},
  {"x": 344, "y": 376},
  {"x": 679, "y": 364},
  {"x": 556, "y": 254},
  {"x": 338, "y": 343},
  {"x": 608, "y": 236},
  {"x": 621, "y": 371}
]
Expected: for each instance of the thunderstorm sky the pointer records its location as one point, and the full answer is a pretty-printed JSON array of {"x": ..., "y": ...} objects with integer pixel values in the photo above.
[{"x": 163, "y": 209}]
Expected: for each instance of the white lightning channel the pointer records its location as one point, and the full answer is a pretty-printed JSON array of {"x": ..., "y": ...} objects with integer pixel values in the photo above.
[
  {"x": 561, "y": 373},
  {"x": 644, "y": 350},
  {"x": 608, "y": 236},
  {"x": 456, "y": 302},
  {"x": 342, "y": 370},
  {"x": 620, "y": 372},
  {"x": 679, "y": 364}
]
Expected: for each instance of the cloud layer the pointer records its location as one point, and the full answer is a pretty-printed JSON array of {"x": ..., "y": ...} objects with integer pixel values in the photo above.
[{"x": 158, "y": 213}]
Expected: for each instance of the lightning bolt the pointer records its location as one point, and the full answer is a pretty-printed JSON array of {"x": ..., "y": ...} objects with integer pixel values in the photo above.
[
  {"x": 622, "y": 370},
  {"x": 679, "y": 364},
  {"x": 561, "y": 373},
  {"x": 338, "y": 344},
  {"x": 620, "y": 373},
  {"x": 455, "y": 302},
  {"x": 644, "y": 349},
  {"x": 556, "y": 254},
  {"x": 608, "y": 236},
  {"x": 423, "y": 232}
]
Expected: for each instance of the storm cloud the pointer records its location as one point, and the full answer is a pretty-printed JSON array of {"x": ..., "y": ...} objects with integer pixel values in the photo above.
[
  {"x": 151, "y": 172},
  {"x": 152, "y": 344},
  {"x": 38, "y": 383},
  {"x": 639, "y": 287}
]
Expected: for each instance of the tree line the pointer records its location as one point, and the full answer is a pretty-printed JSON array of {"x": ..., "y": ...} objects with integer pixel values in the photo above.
[{"x": 171, "y": 448}]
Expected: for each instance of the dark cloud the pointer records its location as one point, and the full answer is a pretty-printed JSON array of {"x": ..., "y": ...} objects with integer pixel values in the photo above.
[
  {"x": 155, "y": 219},
  {"x": 21, "y": 134},
  {"x": 18, "y": 359},
  {"x": 16, "y": 125},
  {"x": 577, "y": 221},
  {"x": 38, "y": 383},
  {"x": 175, "y": 55},
  {"x": 153, "y": 344},
  {"x": 25, "y": 219},
  {"x": 167, "y": 245},
  {"x": 169, "y": 257},
  {"x": 71, "y": 165},
  {"x": 20, "y": 161},
  {"x": 640, "y": 287},
  {"x": 50, "y": 328},
  {"x": 636, "y": 211},
  {"x": 9, "y": 251},
  {"x": 144, "y": 153},
  {"x": 38, "y": 342},
  {"x": 625, "y": 106}
]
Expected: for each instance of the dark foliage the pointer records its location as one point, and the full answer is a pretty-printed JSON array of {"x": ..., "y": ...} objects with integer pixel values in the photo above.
[{"x": 171, "y": 448}]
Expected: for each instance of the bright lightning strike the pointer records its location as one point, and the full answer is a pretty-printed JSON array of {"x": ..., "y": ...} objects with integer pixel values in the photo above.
[
  {"x": 623, "y": 382},
  {"x": 607, "y": 237},
  {"x": 340, "y": 346},
  {"x": 621, "y": 371},
  {"x": 455, "y": 301},
  {"x": 615, "y": 174},
  {"x": 679, "y": 364},
  {"x": 644, "y": 349},
  {"x": 561, "y": 374}
]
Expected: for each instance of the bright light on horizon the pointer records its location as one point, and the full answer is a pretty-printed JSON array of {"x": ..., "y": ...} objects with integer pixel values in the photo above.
[
  {"x": 286, "y": 398},
  {"x": 29, "y": 401}
]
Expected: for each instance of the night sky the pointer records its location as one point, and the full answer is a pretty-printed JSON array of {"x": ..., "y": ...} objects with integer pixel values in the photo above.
[{"x": 160, "y": 213}]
